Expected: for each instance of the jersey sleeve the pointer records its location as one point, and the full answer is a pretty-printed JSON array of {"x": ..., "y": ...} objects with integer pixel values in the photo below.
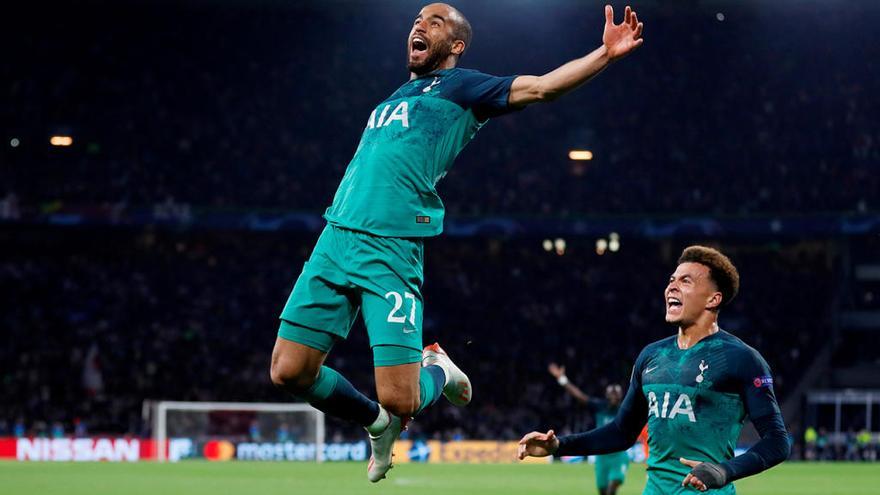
[
  {"x": 633, "y": 412},
  {"x": 621, "y": 433},
  {"x": 486, "y": 95},
  {"x": 755, "y": 384}
]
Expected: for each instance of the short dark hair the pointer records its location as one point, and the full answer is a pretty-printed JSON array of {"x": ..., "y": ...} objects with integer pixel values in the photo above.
[
  {"x": 721, "y": 269},
  {"x": 462, "y": 29}
]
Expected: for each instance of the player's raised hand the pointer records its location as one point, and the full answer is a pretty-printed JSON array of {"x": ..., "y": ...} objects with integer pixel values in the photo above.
[
  {"x": 537, "y": 444},
  {"x": 703, "y": 475},
  {"x": 556, "y": 370},
  {"x": 621, "y": 39}
]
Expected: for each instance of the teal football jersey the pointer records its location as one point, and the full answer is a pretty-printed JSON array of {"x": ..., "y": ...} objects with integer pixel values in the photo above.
[
  {"x": 696, "y": 401},
  {"x": 410, "y": 142}
]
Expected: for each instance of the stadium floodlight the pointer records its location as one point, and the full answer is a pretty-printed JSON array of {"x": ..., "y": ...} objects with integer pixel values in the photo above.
[
  {"x": 61, "y": 140},
  {"x": 560, "y": 246},
  {"x": 242, "y": 430},
  {"x": 614, "y": 242},
  {"x": 580, "y": 155}
]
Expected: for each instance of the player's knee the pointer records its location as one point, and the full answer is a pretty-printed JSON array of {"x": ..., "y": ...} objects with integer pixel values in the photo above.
[
  {"x": 404, "y": 406},
  {"x": 292, "y": 376}
]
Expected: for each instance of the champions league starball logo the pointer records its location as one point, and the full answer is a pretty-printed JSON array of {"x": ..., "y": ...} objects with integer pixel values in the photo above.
[
  {"x": 763, "y": 381},
  {"x": 420, "y": 451}
]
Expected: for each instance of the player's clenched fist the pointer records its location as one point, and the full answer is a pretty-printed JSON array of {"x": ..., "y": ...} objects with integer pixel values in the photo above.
[
  {"x": 704, "y": 475},
  {"x": 537, "y": 444}
]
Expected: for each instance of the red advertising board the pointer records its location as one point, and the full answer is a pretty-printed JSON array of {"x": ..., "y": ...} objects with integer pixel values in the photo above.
[{"x": 77, "y": 449}]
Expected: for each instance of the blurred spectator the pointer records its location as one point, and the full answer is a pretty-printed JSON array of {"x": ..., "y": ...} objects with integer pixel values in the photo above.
[
  {"x": 254, "y": 431},
  {"x": 811, "y": 437},
  {"x": 80, "y": 429},
  {"x": 283, "y": 434},
  {"x": 866, "y": 446},
  {"x": 57, "y": 430},
  {"x": 191, "y": 316},
  {"x": 19, "y": 430}
]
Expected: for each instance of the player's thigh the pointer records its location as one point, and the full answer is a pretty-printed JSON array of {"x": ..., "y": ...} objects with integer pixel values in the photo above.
[
  {"x": 390, "y": 278},
  {"x": 394, "y": 325},
  {"x": 323, "y": 298}
]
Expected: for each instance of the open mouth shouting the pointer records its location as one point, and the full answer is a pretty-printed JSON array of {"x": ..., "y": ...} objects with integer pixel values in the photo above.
[
  {"x": 418, "y": 49},
  {"x": 673, "y": 306}
]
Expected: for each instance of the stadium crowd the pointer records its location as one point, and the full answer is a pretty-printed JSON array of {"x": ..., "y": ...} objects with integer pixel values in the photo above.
[
  {"x": 117, "y": 318},
  {"x": 820, "y": 445},
  {"x": 243, "y": 116}
]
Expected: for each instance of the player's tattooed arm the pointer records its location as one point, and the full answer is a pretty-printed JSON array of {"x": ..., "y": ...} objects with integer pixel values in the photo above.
[{"x": 618, "y": 40}]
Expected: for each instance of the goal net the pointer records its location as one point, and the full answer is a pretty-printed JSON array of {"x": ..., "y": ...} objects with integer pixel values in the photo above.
[{"x": 236, "y": 430}]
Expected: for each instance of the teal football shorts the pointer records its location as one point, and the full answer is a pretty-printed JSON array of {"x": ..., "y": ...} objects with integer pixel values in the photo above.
[
  {"x": 611, "y": 467},
  {"x": 350, "y": 271}
]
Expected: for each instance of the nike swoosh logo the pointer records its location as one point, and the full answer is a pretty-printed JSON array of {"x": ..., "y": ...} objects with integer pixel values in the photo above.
[{"x": 651, "y": 369}]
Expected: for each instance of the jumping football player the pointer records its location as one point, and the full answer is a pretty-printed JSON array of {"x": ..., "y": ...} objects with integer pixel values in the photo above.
[
  {"x": 694, "y": 389},
  {"x": 610, "y": 468},
  {"x": 369, "y": 257}
]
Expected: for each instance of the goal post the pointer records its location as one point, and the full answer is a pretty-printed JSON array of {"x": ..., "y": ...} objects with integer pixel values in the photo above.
[{"x": 222, "y": 430}]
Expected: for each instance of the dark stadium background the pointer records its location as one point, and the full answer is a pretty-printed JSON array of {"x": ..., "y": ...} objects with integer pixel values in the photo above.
[{"x": 158, "y": 249}]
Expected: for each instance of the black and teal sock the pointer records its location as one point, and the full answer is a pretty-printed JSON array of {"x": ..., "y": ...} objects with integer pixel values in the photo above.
[
  {"x": 432, "y": 379},
  {"x": 334, "y": 395}
]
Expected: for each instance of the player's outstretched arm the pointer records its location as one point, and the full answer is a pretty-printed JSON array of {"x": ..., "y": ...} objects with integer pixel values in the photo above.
[
  {"x": 618, "y": 40},
  {"x": 558, "y": 372},
  {"x": 616, "y": 436}
]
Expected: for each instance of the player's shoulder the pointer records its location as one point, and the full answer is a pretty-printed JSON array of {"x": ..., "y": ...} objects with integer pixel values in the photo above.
[
  {"x": 740, "y": 351},
  {"x": 734, "y": 344},
  {"x": 464, "y": 76},
  {"x": 653, "y": 349},
  {"x": 465, "y": 72},
  {"x": 659, "y": 344}
]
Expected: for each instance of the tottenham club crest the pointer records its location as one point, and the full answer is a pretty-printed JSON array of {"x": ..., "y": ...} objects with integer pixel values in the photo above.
[
  {"x": 431, "y": 86},
  {"x": 703, "y": 368}
]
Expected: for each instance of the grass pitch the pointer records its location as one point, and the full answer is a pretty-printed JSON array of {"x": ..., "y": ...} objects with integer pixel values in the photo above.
[{"x": 206, "y": 478}]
